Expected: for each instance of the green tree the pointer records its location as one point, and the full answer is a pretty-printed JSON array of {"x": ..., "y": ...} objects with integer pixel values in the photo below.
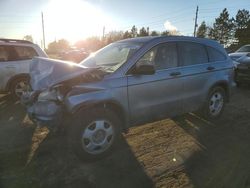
[
  {"x": 127, "y": 34},
  {"x": 134, "y": 31},
  {"x": 202, "y": 30},
  {"x": 165, "y": 33},
  {"x": 58, "y": 46},
  {"x": 242, "y": 27},
  {"x": 154, "y": 33},
  {"x": 242, "y": 19},
  {"x": 28, "y": 38},
  {"x": 92, "y": 44},
  {"x": 113, "y": 36},
  {"x": 170, "y": 33},
  {"x": 243, "y": 35},
  {"x": 222, "y": 29},
  {"x": 143, "y": 32}
]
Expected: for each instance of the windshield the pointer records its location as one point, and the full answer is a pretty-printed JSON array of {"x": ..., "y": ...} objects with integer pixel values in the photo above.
[
  {"x": 244, "y": 49},
  {"x": 112, "y": 56}
]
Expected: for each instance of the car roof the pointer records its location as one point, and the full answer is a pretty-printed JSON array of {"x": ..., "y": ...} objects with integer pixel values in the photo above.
[
  {"x": 172, "y": 38},
  {"x": 15, "y": 41}
]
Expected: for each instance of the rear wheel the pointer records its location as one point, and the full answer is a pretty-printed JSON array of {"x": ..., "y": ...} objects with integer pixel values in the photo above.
[
  {"x": 215, "y": 103},
  {"x": 94, "y": 133},
  {"x": 18, "y": 86}
]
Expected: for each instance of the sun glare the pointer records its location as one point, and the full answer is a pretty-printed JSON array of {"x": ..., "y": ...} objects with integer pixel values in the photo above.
[{"x": 74, "y": 20}]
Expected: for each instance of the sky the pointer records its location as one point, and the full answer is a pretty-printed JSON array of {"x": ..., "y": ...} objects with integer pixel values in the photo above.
[{"x": 78, "y": 19}]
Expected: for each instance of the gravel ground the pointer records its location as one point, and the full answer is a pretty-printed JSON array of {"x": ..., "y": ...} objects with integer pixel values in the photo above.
[{"x": 187, "y": 151}]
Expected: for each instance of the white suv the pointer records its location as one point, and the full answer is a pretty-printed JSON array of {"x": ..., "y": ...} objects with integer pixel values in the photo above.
[{"x": 15, "y": 58}]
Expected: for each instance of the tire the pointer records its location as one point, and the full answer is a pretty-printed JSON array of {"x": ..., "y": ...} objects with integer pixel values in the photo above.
[
  {"x": 95, "y": 133},
  {"x": 215, "y": 103},
  {"x": 18, "y": 86}
]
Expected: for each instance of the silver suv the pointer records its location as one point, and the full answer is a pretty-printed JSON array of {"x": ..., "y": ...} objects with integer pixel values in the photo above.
[
  {"x": 15, "y": 59},
  {"x": 127, "y": 83}
]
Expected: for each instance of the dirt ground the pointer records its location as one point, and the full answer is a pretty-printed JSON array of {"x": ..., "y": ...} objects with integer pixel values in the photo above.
[{"x": 183, "y": 152}]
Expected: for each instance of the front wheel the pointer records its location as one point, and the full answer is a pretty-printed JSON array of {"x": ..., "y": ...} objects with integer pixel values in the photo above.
[
  {"x": 215, "y": 103},
  {"x": 95, "y": 133}
]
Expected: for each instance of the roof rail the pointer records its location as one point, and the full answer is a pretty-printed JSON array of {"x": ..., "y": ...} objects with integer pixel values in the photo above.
[{"x": 15, "y": 40}]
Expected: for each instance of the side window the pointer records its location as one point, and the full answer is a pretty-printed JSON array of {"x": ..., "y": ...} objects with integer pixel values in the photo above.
[
  {"x": 24, "y": 52},
  {"x": 192, "y": 53},
  {"x": 162, "y": 56},
  {"x": 3, "y": 54},
  {"x": 215, "y": 55}
]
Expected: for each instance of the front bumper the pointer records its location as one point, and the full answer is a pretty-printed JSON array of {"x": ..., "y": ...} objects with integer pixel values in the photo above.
[{"x": 45, "y": 113}]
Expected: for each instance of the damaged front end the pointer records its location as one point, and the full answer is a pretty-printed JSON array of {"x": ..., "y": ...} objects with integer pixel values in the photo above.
[
  {"x": 44, "y": 107},
  {"x": 51, "y": 80}
]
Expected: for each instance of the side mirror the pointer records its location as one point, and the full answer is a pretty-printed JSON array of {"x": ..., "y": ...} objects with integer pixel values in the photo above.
[{"x": 144, "y": 69}]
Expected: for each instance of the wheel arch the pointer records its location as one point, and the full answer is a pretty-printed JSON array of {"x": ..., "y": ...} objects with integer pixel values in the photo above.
[
  {"x": 224, "y": 85},
  {"x": 22, "y": 75},
  {"x": 109, "y": 104}
]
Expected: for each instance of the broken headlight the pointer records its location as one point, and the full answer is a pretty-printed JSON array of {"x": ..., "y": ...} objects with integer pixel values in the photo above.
[{"x": 50, "y": 95}]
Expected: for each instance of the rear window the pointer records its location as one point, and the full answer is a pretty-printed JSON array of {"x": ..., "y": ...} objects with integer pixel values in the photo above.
[
  {"x": 215, "y": 55},
  {"x": 16, "y": 53},
  {"x": 192, "y": 53},
  {"x": 24, "y": 52}
]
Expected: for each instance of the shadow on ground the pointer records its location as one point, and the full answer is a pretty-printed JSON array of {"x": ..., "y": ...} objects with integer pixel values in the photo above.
[
  {"x": 223, "y": 159},
  {"x": 32, "y": 157}
]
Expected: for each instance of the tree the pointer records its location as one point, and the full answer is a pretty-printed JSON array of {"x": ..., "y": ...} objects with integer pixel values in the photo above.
[
  {"x": 242, "y": 27},
  {"x": 222, "y": 29},
  {"x": 28, "y": 38},
  {"x": 58, "y": 46},
  {"x": 113, "y": 36},
  {"x": 134, "y": 31},
  {"x": 143, "y": 32},
  {"x": 242, "y": 19},
  {"x": 165, "y": 33},
  {"x": 91, "y": 44},
  {"x": 127, "y": 34},
  {"x": 202, "y": 30},
  {"x": 243, "y": 35},
  {"x": 170, "y": 33},
  {"x": 154, "y": 33}
]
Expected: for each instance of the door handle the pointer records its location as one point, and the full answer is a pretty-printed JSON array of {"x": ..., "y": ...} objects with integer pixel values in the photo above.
[
  {"x": 9, "y": 66},
  {"x": 210, "y": 68},
  {"x": 175, "y": 73}
]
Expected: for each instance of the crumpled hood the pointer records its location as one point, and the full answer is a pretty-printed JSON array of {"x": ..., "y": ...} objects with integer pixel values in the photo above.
[{"x": 46, "y": 72}]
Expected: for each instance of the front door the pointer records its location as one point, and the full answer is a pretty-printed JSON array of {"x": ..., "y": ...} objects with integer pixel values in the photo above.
[{"x": 159, "y": 95}]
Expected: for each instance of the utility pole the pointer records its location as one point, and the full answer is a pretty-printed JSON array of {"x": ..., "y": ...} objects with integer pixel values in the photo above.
[
  {"x": 195, "y": 23},
  {"x": 43, "y": 32},
  {"x": 103, "y": 32}
]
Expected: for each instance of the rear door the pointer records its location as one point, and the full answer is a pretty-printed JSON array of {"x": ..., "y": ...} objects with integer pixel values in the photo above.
[
  {"x": 8, "y": 66},
  {"x": 14, "y": 60},
  {"x": 24, "y": 57},
  {"x": 197, "y": 72},
  {"x": 159, "y": 95}
]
